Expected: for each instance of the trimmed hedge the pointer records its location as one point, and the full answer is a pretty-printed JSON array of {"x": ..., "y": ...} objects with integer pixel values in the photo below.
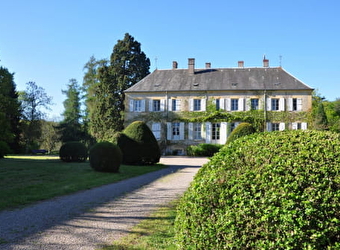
[
  {"x": 203, "y": 149},
  {"x": 73, "y": 152},
  {"x": 241, "y": 130},
  {"x": 276, "y": 190},
  {"x": 105, "y": 157}
]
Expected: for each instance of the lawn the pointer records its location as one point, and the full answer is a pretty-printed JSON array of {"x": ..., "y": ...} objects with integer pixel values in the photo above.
[{"x": 28, "y": 179}]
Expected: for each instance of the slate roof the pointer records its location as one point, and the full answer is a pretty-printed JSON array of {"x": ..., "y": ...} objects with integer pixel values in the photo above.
[{"x": 275, "y": 78}]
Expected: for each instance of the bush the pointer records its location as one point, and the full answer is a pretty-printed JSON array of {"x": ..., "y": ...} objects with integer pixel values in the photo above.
[
  {"x": 73, "y": 152},
  {"x": 203, "y": 149},
  {"x": 141, "y": 146},
  {"x": 241, "y": 130},
  {"x": 4, "y": 149},
  {"x": 276, "y": 190},
  {"x": 105, "y": 157}
]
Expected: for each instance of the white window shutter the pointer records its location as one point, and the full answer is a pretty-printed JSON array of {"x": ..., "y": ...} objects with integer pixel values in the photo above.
[
  {"x": 248, "y": 104},
  {"x": 281, "y": 104},
  {"x": 131, "y": 105},
  {"x": 294, "y": 126},
  {"x": 241, "y": 104},
  {"x": 143, "y": 106},
  {"x": 223, "y": 132},
  {"x": 181, "y": 131},
  {"x": 203, "y": 104},
  {"x": 207, "y": 132},
  {"x": 290, "y": 104},
  {"x": 304, "y": 125},
  {"x": 222, "y": 104},
  {"x": 269, "y": 104},
  {"x": 269, "y": 126},
  {"x": 178, "y": 105},
  {"x": 282, "y": 126},
  {"x": 228, "y": 104},
  {"x": 191, "y": 104},
  {"x": 156, "y": 129},
  {"x": 168, "y": 131},
  {"x": 170, "y": 104},
  {"x": 190, "y": 131},
  {"x": 299, "y": 104},
  {"x": 150, "y": 105},
  {"x": 162, "y": 104}
]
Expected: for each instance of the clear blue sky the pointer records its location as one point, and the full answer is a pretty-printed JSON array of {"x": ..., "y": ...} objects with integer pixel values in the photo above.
[{"x": 49, "y": 41}]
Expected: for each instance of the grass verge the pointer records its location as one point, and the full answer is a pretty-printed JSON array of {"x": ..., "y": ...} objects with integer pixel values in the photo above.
[
  {"x": 155, "y": 233},
  {"x": 28, "y": 179}
]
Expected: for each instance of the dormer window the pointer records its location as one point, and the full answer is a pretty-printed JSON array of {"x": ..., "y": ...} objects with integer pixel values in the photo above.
[{"x": 234, "y": 84}]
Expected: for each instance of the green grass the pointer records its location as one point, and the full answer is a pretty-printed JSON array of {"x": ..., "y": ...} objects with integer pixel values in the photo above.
[
  {"x": 155, "y": 233},
  {"x": 28, "y": 179}
]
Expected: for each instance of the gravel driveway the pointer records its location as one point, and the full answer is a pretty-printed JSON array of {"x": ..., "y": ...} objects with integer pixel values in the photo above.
[{"x": 88, "y": 219}]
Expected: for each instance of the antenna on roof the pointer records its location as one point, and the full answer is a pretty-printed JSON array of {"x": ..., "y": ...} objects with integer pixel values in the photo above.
[
  {"x": 280, "y": 61},
  {"x": 156, "y": 61}
]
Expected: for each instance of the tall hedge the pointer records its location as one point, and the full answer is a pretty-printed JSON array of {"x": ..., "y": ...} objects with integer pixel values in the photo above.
[{"x": 275, "y": 190}]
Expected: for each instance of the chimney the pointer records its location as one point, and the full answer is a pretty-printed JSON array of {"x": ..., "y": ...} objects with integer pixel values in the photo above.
[
  {"x": 241, "y": 64},
  {"x": 265, "y": 62},
  {"x": 174, "y": 65},
  {"x": 191, "y": 66},
  {"x": 208, "y": 65}
]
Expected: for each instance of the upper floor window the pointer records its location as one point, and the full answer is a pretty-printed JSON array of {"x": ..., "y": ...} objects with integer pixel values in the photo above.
[
  {"x": 156, "y": 105},
  {"x": 254, "y": 104},
  {"x": 137, "y": 105},
  {"x": 197, "y": 104},
  {"x": 234, "y": 104},
  {"x": 295, "y": 104},
  {"x": 175, "y": 105},
  {"x": 275, "y": 104},
  {"x": 217, "y": 102}
]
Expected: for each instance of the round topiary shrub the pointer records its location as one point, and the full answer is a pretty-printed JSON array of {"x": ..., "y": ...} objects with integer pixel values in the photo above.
[
  {"x": 128, "y": 147},
  {"x": 241, "y": 130},
  {"x": 105, "y": 157},
  {"x": 276, "y": 190},
  {"x": 73, "y": 152},
  {"x": 145, "y": 149}
]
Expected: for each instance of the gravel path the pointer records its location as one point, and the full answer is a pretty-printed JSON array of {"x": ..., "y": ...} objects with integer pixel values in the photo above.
[{"x": 88, "y": 219}]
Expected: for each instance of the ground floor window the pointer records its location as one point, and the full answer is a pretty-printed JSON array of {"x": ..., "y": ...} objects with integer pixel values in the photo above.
[{"x": 215, "y": 131}]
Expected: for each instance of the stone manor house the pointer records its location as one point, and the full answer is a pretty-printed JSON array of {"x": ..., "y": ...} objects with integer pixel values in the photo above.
[{"x": 165, "y": 97}]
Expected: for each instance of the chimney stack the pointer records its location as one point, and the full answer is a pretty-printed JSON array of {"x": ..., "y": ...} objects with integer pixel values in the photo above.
[
  {"x": 265, "y": 62},
  {"x": 208, "y": 65},
  {"x": 174, "y": 65},
  {"x": 241, "y": 64},
  {"x": 191, "y": 66}
]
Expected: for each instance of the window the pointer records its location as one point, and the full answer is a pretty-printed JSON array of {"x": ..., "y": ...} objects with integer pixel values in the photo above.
[
  {"x": 175, "y": 130},
  {"x": 296, "y": 104},
  {"x": 156, "y": 105},
  {"x": 217, "y": 102},
  {"x": 275, "y": 126},
  {"x": 156, "y": 130},
  {"x": 299, "y": 125},
  {"x": 275, "y": 104},
  {"x": 215, "y": 133},
  {"x": 137, "y": 105},
  {"x": 254, "y": 104},
  {"x": 234, "y": 104},
  {"x": 175, "y": 105},
  {"x": 197, "y": 130},
  {"x": 197, "y": 104}
]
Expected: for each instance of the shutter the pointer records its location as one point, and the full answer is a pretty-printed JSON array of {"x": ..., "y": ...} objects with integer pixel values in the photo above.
[
  {"x": 269, "y": 104},
  {"x": 294, "y": 126},
  {"x": 170, "y": 104},
  {"x": 207, "y": 132},
  {"x": 304, "y": 125},
  {"x": 191, "y": 104},
  {"x": 299, "y": 104},
  {"x": 156, "y": 129},
  {"x": 181, "y": 131},
  {"x": 162, "y": 104},
  {"x": 261, "y": 107},
  {"x": 178, "y": 105},
  {"x": 142, "y": 106},
  {"x": 168, "y": 131},
  {"x": 131, "y": 105},
  {"x": 281, "y": 104},
  {"x": 228, "y": 104},
  {"x": 190, "y": 131},
  {"x": 222, "y": 104},
  {"x": 203, "y": 104},
  {"x": 150, "y": 105},
  {"x": 269, "y": 126},
  {"x": 282, "y": 126},
  {"x": 241, "y": 104},
  {"x": 290, "y": 104},
  {"x": 248, "y": 104},
  {"x": 228, "y": 128},
  {"x": 223, "y": 132}
]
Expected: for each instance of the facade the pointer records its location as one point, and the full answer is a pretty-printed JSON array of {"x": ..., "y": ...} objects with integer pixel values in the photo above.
[{"x": 192, "y": 106}]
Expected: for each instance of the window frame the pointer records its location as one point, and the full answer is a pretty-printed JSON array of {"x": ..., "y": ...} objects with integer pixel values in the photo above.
[{"x": 234, "y": 104}]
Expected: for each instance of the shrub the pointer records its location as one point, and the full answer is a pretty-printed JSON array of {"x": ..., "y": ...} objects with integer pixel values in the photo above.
[
  {"x": 128, "y": 147},
  {"x": 105, "y": 157},
  {"x": 276, "y": 190},
  {"x": 143, "y": 147},
  {"x": 241, "y": 130},
  {"x": 203, "y": 149},
  {"x": 4, "y": 149},
  {"x": 73, "y": 152}
]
